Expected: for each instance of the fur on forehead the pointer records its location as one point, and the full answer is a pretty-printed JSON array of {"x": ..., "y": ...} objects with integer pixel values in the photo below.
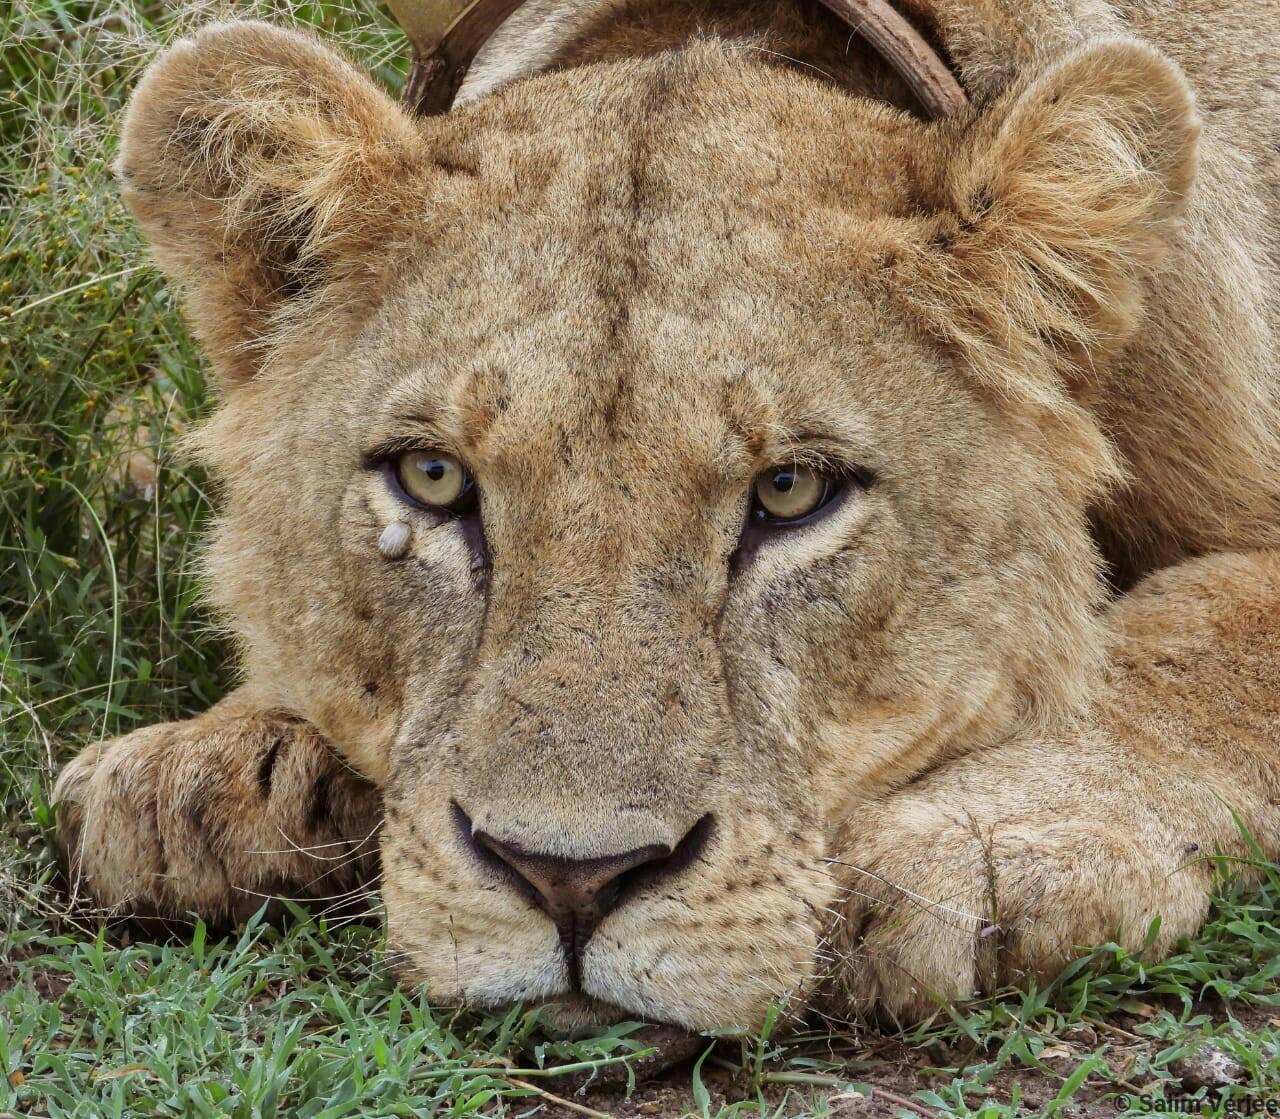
[{"x": 278, "y": 185}]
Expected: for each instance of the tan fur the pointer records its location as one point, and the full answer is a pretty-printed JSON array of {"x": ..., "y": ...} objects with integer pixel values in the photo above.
[
  {"x": 1003, "y": 865},
  {"x": 215, "y": 816},
  {"x": 619, "y": 290},
  {"x": 1203, "y": 467}
]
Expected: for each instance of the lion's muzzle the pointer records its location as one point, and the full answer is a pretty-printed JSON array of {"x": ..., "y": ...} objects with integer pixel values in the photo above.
[{"x": 578, "y": 893}]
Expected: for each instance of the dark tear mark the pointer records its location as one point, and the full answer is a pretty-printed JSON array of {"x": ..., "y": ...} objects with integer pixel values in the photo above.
[
  {"x": 266, "y": 768},
  {"x": 318, "y": 813}
]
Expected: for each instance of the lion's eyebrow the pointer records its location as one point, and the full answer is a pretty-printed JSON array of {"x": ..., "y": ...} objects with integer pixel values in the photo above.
[
  {"x": 843, "y": 449},
  {"x": 828, "y": 445},
  {"x": 409, "y": 431},
  {"x": 442, "y": 407},
  {"x": 810, "y": 435}
]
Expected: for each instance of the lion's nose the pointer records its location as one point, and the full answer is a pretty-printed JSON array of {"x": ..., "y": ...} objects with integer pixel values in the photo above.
[
  {"x": 578, "y": 893},
  {"x": 575, "y": 893}
]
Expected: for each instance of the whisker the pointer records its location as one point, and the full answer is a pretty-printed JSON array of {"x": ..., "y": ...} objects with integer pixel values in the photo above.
[
  {"x": 929, "y": 903},
  {"x": 787, "y": 58},
  {"x": 334, "y": 870},
  {"x": 295, "y": 848},
  {"x": 300, "y": 900}
]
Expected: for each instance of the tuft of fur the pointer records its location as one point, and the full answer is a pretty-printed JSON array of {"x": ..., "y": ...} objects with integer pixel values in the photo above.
[
  {"x": 272, "y": 180},
  {"x": 1062, "y": 197}
]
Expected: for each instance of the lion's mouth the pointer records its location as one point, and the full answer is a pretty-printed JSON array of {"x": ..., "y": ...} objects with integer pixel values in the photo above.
[
  {"x": 710, "y": 935},
  {"x": 578, "y": 1014},
  {"x": 651, "y": 1050}
]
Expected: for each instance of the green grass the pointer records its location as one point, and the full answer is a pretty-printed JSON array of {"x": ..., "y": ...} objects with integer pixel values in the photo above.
[{"x": 101, "y": 631}]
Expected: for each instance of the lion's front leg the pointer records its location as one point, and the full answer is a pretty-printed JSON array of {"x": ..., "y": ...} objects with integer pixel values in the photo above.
[
  {"x": 214, "y": 815},
  {"x": 1001, "y": 866}
]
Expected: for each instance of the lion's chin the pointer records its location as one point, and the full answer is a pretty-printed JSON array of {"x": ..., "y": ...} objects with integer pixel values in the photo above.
[
  {"x": 576, "y": 1014},
  {"x": 565, "y": 1014}
]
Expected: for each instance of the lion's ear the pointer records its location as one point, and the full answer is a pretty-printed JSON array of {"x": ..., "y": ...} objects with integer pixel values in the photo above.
[
  {"x": 1058, "y": 203},
  {"x": 265, "y": 171}
]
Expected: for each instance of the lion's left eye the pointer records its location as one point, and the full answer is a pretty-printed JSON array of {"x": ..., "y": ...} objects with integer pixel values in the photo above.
[
  {"x": 787, "y": 494},
  {"x": 436, "y": 480}
]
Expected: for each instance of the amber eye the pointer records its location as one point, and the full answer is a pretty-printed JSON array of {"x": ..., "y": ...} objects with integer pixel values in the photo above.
[
  {"x": 791, "y": 493},
  {"x": 434, "y": 479}
]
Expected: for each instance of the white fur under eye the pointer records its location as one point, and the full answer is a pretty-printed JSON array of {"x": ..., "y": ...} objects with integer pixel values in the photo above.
[{"x": 394, "y": 541}]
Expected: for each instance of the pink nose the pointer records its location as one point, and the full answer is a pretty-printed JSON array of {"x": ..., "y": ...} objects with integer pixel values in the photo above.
[
  {"x": 578, "y": 893},
  {"x": 575, "y": 893}
]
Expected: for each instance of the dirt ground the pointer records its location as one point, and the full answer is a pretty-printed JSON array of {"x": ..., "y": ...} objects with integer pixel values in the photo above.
[{"x": 893, "y": 1071}]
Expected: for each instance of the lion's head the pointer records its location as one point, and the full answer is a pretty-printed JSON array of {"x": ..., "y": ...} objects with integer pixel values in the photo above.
[{"x": 635, "y": 471}]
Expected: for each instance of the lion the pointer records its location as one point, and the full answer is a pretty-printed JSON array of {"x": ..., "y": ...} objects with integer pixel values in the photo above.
[{"x": 672, "y": 504}]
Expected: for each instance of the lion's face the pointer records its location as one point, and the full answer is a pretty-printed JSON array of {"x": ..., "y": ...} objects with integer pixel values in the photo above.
[{"x": 616, "y": 705}]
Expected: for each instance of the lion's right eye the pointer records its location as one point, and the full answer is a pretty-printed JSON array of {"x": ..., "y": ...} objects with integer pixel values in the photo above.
[
  {"x": 790, "y": 494},
  {"x": 436, "y": 480}
]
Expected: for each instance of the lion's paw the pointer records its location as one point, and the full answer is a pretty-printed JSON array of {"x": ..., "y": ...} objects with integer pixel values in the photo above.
[
  {"x": 212, "y": 817},
  {"x": 943, "y": 903}
]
